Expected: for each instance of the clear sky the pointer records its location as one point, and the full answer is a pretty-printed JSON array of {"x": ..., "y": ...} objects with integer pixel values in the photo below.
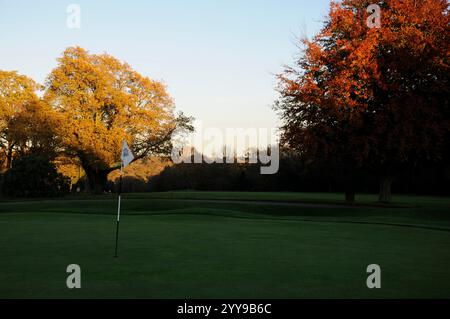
[{"x": 217, "y": 57}]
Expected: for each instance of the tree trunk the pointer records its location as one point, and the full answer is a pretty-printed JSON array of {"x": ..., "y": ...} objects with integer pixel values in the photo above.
[
  {"x": 9, "y": 154},
  {"x": 385, "y": 195},
  {"x": 97, "y": 179}
]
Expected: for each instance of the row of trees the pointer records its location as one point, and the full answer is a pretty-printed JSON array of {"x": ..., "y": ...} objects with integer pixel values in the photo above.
[
  {"x": 359, "y": 100},
  {"x": 359, "y": 103},
  {"x": 294, "y": 175},
  {"x": 87, "y": 106}
]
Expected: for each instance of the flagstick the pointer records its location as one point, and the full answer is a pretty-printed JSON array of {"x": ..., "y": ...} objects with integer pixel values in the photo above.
[{"x": 118, "y": 208}]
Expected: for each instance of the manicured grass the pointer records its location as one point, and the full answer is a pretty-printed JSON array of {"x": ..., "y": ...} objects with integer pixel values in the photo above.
[
  {"x": 196, "y": 249},
  {"x": 338, "y": 198},
  {"x": 325, "y": 198}
]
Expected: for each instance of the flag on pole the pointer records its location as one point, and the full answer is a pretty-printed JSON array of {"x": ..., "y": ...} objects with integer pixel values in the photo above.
[{"x": 127, "y": 156}]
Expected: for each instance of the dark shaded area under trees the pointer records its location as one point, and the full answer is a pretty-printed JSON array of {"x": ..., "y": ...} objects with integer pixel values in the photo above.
[{"x": 294, "y": 175}]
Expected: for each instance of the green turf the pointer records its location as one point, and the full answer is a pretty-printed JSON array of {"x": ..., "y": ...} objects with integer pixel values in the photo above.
[
  {"x": 329, "y": 198},
  {"x": 335, "y": 198},
  {"x": 173, "y": 248}
]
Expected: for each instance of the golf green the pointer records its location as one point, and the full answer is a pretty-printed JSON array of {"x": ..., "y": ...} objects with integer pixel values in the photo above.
[{"x": 179, "y": 248}]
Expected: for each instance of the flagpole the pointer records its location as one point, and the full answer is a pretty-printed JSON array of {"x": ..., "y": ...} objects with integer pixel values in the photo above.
[{"x": 118, "y": 209}]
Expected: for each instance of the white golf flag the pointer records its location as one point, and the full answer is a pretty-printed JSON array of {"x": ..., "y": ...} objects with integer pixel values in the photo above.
[{"x": 127, "y": 155}]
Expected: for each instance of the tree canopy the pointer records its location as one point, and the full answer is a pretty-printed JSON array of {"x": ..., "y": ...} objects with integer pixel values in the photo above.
[
  {"x": 103, "y": 101},
  {"x": 372, "y": 97},
  {"x": 17, "y": 96}
]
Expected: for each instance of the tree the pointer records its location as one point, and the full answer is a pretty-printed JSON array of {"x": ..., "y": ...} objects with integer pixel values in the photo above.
[
  {"x": 16, "y": 92},
  {"x": 103, "y": 101},
  {"x": 34, "y": 176},
  {"x": 33, "y": 130},
  {"x": 372, "y": 97}
]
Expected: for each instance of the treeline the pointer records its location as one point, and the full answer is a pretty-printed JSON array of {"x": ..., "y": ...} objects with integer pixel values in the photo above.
[
  {"x": 36, "y": 176},
  {"x": 362, "y": 110},
  {"x": 39, "y": 176},
  {"x": 75, "y": 122},
  {"x": 295, "y": 175}
]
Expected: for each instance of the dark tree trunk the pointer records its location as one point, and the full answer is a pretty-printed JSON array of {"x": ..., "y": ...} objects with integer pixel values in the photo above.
[
  {"x": 97, "y": 179},
  {"x": 9, "y": 154},
  {"x": 385, "y": 195}
]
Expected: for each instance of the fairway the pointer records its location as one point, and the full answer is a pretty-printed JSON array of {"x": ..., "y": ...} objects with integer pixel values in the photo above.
[{"x": 187, "y": 245}]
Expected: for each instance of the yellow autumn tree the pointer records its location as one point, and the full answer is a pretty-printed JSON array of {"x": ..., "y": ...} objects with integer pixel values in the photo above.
[
  {"x": 17, "y": 93},
  {"x": 104, "y": 101},
  {"x": 34, "y": 130}
]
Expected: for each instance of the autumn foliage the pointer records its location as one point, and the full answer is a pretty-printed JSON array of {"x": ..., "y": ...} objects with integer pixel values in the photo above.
[
  {"x": 102, "y": 102},
  {"x": 17, "y": 94},
  {"x": 372, "y": 97},
  {"x": 359, "y": 98},
  {"x": 90, "y": 104}
]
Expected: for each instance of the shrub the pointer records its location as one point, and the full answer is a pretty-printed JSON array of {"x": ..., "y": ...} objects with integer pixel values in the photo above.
[{"x": 34, "y": 176}]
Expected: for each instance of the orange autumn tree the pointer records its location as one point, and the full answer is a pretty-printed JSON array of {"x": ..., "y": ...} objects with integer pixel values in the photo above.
[
  {"x": 367, "y": 97},
  {"x": 104, "y": 101},
  {"x": 34, "y": 130},
  {"x": 17, "y": 93}
]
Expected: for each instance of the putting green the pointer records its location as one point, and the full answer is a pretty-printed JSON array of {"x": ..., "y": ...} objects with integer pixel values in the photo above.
[{"x": 181, "y": 249}]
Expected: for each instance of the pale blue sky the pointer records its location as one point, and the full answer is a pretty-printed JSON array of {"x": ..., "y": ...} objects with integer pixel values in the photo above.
[{"x": 218, "y": 58}]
